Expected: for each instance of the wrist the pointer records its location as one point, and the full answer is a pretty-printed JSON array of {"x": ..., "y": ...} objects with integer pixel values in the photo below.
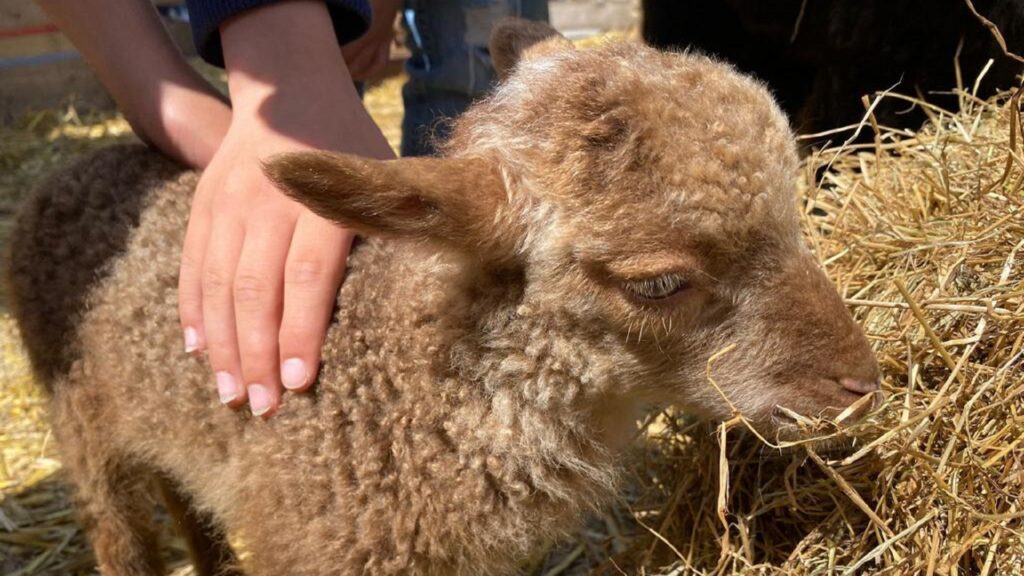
[
  {"x": 180, "y": 114},
  {"x": 297, "y": 89},
  {"x": 194, "y": 122},
  {"x": 303, "y": 61}
]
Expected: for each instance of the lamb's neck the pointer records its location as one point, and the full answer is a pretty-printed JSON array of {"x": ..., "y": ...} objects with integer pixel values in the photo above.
[
  {"x": 554, "y": 407},
  {"x": 523, "y": 388}
]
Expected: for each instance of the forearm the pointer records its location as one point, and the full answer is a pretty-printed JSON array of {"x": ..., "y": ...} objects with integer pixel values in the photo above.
[
  {"x": 298, "y": 85},
  {"x": 125, "y": 44}
]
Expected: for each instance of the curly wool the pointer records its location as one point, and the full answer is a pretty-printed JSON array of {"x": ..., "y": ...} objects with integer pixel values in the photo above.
[
  {"x": 471, "y": 406},
  {"x": 382, "y": 468}
]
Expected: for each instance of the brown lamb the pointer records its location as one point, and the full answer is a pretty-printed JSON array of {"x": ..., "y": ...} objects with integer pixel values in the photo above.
[{"x": 598, "y": 227}]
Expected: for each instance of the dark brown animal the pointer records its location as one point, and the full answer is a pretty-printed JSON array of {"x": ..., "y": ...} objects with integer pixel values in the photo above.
[{"x": 820, "y": 57}]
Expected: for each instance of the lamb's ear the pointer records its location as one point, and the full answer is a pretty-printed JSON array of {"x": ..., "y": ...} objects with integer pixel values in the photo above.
[
  {"x": 515, "y": 39},
  {"x": 461, "y": 202}
]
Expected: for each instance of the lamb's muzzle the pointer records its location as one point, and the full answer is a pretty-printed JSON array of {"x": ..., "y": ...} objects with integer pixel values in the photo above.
[
  {"x": 598, "y": 230},
  {"x": 859, "y": 386}
]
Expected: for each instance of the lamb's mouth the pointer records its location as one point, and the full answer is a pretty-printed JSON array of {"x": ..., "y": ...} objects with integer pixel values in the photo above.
[{"x": 830, "y": 423}]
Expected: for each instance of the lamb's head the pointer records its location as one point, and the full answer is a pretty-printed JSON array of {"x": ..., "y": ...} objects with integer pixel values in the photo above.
[{"x": 649, "y": 197}]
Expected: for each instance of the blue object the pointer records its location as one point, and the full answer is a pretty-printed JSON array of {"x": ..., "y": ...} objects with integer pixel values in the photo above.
[
  {"x": 450, "y": 64},
  {"x": 37, "y": 59}
]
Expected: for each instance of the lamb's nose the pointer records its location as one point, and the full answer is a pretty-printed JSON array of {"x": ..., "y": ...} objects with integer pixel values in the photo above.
[{"x": 859, "y": 386}]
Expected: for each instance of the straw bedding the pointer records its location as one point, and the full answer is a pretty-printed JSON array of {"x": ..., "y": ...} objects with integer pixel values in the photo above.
[{"x": 924, "y": 235}]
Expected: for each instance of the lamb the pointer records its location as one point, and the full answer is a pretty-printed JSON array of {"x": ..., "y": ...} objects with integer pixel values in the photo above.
[{"x": 595, "y": 230}]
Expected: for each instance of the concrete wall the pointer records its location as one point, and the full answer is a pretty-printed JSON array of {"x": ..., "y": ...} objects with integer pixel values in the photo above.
[{"x": 583, "y": 18}]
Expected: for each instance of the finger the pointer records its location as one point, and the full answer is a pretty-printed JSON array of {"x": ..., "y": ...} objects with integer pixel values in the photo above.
[
  {"x": 368, "y": 60},
  {"x": 357, "y": 67},
  {"x": 316, "y": 264},
  {"x": 382, "y": 56},
  {"x": 353, "y": 53},
  {"x": 219, "y": 265},
  {"x": 190, "y": 276},
  {"x": 258, "y": 296},
  {"x": 379, "y": 59},
  {"x": 351, "y": 50}
]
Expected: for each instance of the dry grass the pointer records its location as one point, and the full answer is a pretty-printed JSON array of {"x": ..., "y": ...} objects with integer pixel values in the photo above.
[{"x": 923, "y": 234}]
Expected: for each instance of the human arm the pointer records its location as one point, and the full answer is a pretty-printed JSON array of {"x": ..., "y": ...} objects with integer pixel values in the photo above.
[{"x": 167, "y": 103}]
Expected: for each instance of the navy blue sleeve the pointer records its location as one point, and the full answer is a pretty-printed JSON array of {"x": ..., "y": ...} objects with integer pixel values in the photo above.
[{"x": 351, "y": 18}]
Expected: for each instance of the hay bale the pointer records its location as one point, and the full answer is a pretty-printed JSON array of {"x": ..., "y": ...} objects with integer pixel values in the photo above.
[{"x": 924, "y": 235}]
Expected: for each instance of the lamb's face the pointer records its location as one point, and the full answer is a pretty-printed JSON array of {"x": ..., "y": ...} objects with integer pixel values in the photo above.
[
  {"x": 658, "y": 200},
  {"x": 648, "y": 197}
]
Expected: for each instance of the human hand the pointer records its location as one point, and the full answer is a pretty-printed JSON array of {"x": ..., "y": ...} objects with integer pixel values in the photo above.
[
  {"x": 368, "y": 55},
  {"x": 259, "y": 272}
]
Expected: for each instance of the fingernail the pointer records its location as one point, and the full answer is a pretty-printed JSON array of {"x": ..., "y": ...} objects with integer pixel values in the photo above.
[
  {"x": 227, "y": 388},
  {"x": 294, "y": 374},
  {"x": 191, "y": 340},
  {"x": 259, "y": 399}
]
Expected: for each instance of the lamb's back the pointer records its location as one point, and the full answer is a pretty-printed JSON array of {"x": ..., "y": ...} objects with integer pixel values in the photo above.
[{"x": 65, "y": 236}]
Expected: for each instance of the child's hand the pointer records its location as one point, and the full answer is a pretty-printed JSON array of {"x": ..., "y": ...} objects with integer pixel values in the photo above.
[
  {"x": 368, "y": 55},
  {"x": 259, "y": 272}
]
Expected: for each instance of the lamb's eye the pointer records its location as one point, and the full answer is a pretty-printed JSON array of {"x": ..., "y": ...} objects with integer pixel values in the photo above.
[{"x": 657, "y": 287}]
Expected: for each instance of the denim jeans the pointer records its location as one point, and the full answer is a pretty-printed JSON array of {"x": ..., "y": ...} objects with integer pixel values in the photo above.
[{"x": 450, "y": 64}]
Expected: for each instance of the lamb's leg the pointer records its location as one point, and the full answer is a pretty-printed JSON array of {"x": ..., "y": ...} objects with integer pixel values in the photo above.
[
  {"x": 115, "y": 503},
  {"x": 207, "y": 543},
  {"x": 114, "y": 495}
]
